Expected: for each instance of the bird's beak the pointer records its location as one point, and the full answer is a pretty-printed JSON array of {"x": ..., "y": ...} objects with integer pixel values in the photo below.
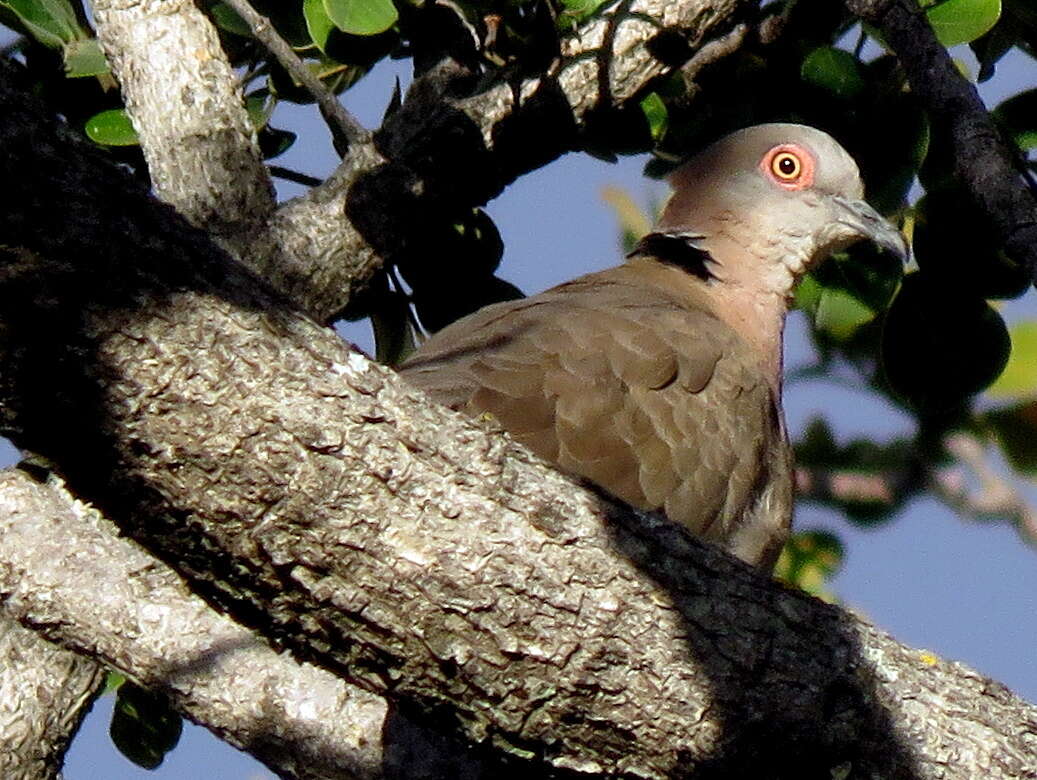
[{"x": 863, "y": 220}]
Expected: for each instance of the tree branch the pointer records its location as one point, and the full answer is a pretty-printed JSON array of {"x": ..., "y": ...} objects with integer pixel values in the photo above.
[
  {"x": 992, "y": 496},
  {"x": 344, "y": 128},
  {"x": 67, "y": 573},
  {"x": 511, "y": 127},
  {"x": 44, "y": 693},
  {"x": 883, "y": 488},
  {"x": 413, "y": 550},
  {"x": 310, "y": 250},
  {"x": 106, "y": 597},
  {"x": 982, "y": 159},
  {"x": 186, "y": 105}
]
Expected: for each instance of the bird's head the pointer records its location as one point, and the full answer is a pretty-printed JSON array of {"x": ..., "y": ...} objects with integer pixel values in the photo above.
[{"x": 781, "y": 197}]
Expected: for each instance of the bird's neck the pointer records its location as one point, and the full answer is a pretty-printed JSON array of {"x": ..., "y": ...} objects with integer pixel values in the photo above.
[
  {"x": 751, "y": 303},
  {"x": 758, "y": 317},
  {"x": 751, "y": 292}
]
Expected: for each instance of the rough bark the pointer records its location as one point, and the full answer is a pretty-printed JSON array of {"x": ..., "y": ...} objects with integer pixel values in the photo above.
[
  {"x": 69, "y": 575},
  {"x": 44, "y": 693},
  {"x": 186, "y": 105},
  {"x": 109, "y": 599},
  {"x": 416, "y": 552},
  {"x": 309, "y": 249}
]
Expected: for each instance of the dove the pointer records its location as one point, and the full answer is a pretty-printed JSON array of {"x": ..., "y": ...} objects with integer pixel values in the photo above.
[{"x": 659, "y": 380}]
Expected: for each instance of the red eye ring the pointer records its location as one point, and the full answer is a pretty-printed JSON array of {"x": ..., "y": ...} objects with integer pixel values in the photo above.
[{"x": 789, "y": 166}]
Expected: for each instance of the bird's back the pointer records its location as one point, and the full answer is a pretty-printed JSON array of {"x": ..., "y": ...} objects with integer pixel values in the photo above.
[{"x": 625, "y": 377}]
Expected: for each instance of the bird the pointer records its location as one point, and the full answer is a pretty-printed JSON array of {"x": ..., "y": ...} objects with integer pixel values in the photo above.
[{"x": 659, "y": 380}]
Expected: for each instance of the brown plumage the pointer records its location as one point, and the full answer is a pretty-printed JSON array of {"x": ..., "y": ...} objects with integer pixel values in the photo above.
[{"x": 659, "y": 380}]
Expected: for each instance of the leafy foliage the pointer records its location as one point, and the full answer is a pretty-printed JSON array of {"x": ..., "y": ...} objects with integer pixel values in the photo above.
[{"x": 51, "y": 22}]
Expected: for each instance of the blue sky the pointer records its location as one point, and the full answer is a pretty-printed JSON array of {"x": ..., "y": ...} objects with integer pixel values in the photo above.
[{"x": 965, "y": 590}]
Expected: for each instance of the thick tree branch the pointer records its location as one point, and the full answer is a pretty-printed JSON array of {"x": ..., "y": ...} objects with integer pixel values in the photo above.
[
  {"x": 67, "y": 574},
  {"x": 65, "y": 571},
  {"x": 982, "y": 159},
  {"x": 464, "y": 150},
  {"x": 310, "y": 249},
  {"x": 44, "y": 693},
  {"x": 186, "y": 105},
  {"x": 413, "y": 550},
  {"x": 849, "y": 485}
]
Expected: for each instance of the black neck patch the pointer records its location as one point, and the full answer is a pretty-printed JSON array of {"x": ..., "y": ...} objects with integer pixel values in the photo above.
[{"x": 679, "y": 250}]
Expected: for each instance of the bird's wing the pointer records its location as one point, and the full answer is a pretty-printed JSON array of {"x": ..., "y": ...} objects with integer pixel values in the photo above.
[{"x": 656, "y": 402}]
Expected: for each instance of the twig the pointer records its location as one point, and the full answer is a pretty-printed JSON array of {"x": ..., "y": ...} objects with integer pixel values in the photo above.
[
  {"x": 983, "y": 160},
  {"x": 773, "y": 26},
  {"x": 345, "y": 129},
  {"x": 713, "y": 51},
  {"x": 294, "y": 176},
  {"x": 420, "y": 334},
  {"x": 995, "y": 495},
  {"x": 884, "y": 488}
]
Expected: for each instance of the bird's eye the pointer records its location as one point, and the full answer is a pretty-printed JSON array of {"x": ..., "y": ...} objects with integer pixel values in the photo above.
[
  {"x": 786, "y": 166},
  {"x": 790, "y": 166}
]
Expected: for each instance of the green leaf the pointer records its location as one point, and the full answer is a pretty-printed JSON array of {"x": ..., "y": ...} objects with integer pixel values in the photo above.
[
  {"x": 393, "y": 334},
  {"x": 962, "y": 21},
  {"x": 1019, "y": 379},
  {"x": 113, "y": 680},
  {"x": 361, "y": 17},
  {"x": 861, "y": 271},
  {"x": 144, "y": 727},
  {"x": 439, "y": 305},
  {"x": 940, "y": 344},
  {"x": 990, "y": 48},
  {"x": 808, "y": 294},
  {"x": 834, "y": 70},
  {"x": 51, "y": 22},
  {"x": 259, "y": 106},
  {"x": 273, "y": 142},
  {"x": 1018, "y": 115},
  {"x": 817, "y": 447},
  {"x": 848, "y": 291},
  {"x": 85, "y": 58},
  {"x": 809, "y": 559},
  {"x": 578, "y": 10},
  {"x": 227, "y": 18},
  {"x": 111, "y": 128},
  {"x": 634, "y": 222},
  {"x": 1016, "y": 431},
  {"x": 890, "y": 153},
  {"x": 318, "y": 23},
  {"x": 840, "y": 314},
  {"x": 1024, "y": 11},
  {"x": 954, "y": 243},
  {"x": 656, "y": 114}
]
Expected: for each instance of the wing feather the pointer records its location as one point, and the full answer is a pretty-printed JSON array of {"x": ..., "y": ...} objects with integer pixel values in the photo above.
[{"x": 655, "y": 400}]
